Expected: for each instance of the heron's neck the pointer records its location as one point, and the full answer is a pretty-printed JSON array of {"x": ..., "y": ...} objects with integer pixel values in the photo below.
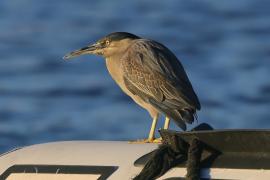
[{"x": 113, "y": 64}]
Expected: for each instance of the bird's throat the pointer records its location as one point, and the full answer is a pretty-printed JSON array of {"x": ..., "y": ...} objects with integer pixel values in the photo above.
[{"x": 114, "y": 67}]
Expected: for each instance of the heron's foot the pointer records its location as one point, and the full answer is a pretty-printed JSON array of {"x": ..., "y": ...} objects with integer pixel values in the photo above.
[
  {"x": 158, "y": 140},
  {"x": 143, "y": 141}
]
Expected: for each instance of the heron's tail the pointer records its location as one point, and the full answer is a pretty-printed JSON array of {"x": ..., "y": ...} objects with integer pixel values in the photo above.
[
  {"x": 172, "y": 113},
  {"x": 181, "y": 117},
  {"x": 187, "y": 115}
]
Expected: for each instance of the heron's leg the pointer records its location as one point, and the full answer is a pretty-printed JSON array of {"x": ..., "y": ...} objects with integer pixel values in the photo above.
[
  {"x": 151, "y": 136},
  {"x": 167, "y": 122},
  {"x": 166, "y": 126}
]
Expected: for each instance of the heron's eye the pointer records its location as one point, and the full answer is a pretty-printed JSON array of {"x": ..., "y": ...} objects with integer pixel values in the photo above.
[{"x": 107, "y": 42}]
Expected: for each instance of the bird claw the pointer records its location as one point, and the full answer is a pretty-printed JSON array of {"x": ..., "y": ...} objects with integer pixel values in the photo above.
[
  {"x": 157, "y": 140},
  {"x": 143, "y": 141}
]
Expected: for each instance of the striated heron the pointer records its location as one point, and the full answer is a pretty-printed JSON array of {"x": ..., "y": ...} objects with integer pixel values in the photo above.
[{"x": 150, "y": 74}]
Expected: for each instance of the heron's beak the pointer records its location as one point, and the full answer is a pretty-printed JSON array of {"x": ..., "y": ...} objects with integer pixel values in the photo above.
[{"x": 86, "y": 50}]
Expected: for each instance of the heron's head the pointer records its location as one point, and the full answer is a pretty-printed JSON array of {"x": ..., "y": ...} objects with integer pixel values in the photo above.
[{"x": 107, "y": 46}]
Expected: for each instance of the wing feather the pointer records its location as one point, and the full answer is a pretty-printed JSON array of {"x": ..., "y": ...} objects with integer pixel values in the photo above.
[{"x": 153, "y": 72}]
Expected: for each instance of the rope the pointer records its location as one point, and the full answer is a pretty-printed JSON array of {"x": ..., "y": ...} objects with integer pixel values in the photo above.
[
  {"x": 167, "y": 157},
  {"x": 172, "y": 152},
  {"x": 163, "y": 159},
  {"x": 193, "y": 163}
]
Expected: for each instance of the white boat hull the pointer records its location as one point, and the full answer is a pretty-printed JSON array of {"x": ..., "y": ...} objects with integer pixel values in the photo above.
[{"x": 96, "y": 160}]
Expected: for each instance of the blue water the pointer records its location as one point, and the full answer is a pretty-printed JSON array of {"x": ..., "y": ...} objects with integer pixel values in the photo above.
[{"x": 223, "y": 45}]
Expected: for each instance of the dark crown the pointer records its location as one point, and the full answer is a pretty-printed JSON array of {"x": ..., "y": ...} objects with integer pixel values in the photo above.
[{"x": 117, "y": 36}]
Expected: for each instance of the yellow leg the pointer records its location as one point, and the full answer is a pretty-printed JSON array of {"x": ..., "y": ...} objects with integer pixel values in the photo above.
[
  {"x": 151, "y": 136},
  {"x": 166, "y": 126},
  {"x": 167, "y": 122}
]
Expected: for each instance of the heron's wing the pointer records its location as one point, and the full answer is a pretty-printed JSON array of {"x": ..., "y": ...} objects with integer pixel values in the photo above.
[{"x": 153, "y": 72}]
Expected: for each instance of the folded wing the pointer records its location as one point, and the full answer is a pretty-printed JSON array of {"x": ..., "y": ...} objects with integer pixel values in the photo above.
[{"x": 152, "y": 72}]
